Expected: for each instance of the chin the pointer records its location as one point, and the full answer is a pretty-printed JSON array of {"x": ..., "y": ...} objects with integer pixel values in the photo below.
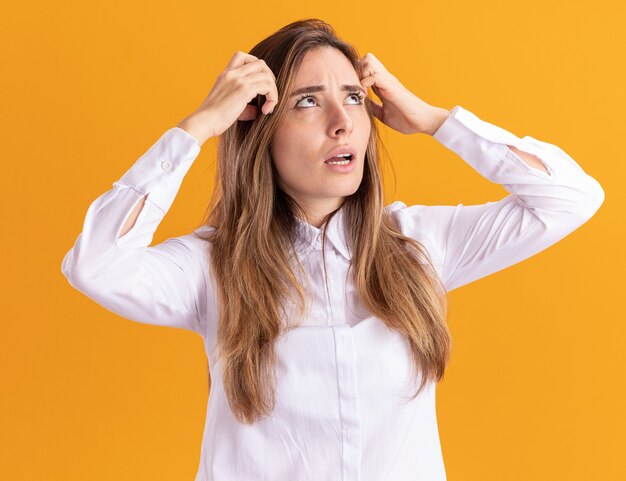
[{"x": 347, "y": 192}]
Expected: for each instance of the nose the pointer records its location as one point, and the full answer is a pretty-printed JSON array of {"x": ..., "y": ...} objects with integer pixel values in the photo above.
[{"x": 340, "y": 121}]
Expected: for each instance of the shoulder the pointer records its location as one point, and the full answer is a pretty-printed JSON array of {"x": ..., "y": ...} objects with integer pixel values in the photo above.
[
  {"x": 190, "y": 250},
  {"x": 426, "y": 221},
  {"x": 427, "y": 224}
]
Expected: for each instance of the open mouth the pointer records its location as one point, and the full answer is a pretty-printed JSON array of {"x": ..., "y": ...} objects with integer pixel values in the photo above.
[{"x": 340, "y": 160}]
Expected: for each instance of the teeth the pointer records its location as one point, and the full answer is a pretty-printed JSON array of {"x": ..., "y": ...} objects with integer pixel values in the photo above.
[{"x": 340, "y": 162}]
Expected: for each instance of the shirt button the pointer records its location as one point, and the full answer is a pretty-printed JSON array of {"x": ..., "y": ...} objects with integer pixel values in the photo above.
[{"x": 166, "y": 165}]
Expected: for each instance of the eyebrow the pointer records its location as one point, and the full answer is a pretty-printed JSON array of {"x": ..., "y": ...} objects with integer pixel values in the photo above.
[{"x": 322, "y": 88}]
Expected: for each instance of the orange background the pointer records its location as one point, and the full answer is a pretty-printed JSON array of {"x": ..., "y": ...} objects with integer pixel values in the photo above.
[{"x": 535, "y": 388}]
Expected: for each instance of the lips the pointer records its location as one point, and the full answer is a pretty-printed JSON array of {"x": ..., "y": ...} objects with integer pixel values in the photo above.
[{"x": 343, "y": 149}]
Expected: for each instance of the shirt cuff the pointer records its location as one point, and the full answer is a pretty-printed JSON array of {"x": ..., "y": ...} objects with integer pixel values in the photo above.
[
  {"x": 484, "y": 145},
  {"x": 159, "y": 172}
]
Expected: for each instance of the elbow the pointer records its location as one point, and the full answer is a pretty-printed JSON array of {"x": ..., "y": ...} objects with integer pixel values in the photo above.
[
  {"x": 75, "y": 277},
  {"x": 593, "y": 201},
  {"x": 89, "y": 285},
  {"x": 74, "y": 273},
  {"x": 67, "y": 267}
]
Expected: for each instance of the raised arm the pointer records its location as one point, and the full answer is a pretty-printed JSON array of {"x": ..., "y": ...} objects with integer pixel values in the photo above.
[
  {"x": 550, "y": 196},
  {"x": 111, "y": 261}
]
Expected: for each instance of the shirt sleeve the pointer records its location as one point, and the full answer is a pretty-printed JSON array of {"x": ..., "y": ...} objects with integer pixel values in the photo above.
[
  {"x": 468, "y": 242},
  {"x": 163, "y": 284}
]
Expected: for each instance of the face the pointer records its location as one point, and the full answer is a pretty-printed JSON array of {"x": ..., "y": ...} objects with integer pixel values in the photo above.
[{"x": 314, "y": 125}]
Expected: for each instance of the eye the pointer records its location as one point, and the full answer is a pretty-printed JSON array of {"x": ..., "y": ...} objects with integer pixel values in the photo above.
[
  {"x": 359, "y": 95},
  {"x": 303, "y": 97}
]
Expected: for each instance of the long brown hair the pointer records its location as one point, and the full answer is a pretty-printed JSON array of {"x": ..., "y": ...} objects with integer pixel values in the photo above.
[{"x": 252, "y": 234}]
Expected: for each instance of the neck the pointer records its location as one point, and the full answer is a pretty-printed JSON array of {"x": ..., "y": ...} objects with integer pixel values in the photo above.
[{"x": 316, "y": 212}]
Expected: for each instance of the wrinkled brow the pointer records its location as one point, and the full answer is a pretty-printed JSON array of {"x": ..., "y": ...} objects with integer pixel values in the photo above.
[{"x": 322, "y": 88}]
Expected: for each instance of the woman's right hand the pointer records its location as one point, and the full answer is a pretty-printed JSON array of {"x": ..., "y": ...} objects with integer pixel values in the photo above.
[{"x": 245, "y": 77}]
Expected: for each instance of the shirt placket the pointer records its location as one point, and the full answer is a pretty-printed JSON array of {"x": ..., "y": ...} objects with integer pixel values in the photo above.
[
  {"x": 349, "y": 409},
  {"x": 335, "y": 291},
  {"x": 346, "y": 361}
]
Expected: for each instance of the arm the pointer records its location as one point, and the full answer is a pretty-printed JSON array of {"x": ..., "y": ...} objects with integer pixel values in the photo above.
[
  {"x": 111, "y": 261},
  {"x": 190, "y": 125},
  {"x": 440, "y": 115},
  {"x": 529, "y": 159},
  {"x": 132, "y": 217},
  {"x": 550, "y": 196}
]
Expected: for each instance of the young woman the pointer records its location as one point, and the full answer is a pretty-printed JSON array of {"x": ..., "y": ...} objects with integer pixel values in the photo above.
[{"x": 321, "y": 309}]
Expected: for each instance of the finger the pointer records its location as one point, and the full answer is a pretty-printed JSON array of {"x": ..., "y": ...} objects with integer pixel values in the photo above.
[
  {"x": 375, "y": 82},
  {"x": 238, "y": 59},
  {"x": 368, "y": 81},
  {"x": 249, "y": 68},
  {"x": 375, "y": 64},
  {"x": 371, "y": 81},
  {"x": 369, "y": 70},
  {"x": 264, "y": 86},
  {"x": 365, "y": 58},
  {"x": 366, "y": 70},
  {"x": 271, "y": 97},
  {"x": 267, "y": 67},
  {"x": 369, "y": 61},
  {"x": 255, "y": 66}
]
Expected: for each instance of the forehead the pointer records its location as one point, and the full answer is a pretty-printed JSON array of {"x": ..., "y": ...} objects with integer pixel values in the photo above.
[{"x": 322, "y": 63}]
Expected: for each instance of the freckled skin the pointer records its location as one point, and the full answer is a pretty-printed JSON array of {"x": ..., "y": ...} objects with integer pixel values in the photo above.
[{"x": 317, "y": 125}]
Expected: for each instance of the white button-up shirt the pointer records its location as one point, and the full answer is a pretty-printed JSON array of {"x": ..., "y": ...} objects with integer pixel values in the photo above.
[{"x": 343, "y": 411}]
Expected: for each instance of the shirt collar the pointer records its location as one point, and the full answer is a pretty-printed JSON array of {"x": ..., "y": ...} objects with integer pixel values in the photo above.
[{"x": 310, "y": 237}]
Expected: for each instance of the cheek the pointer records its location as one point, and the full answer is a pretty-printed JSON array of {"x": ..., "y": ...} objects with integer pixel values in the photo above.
[
  {"x": 288, "y": 163},
  {"x": 292, "y": 150},
  {"x": 365, "y": 122},
  {"x": 293, "y": 167}
]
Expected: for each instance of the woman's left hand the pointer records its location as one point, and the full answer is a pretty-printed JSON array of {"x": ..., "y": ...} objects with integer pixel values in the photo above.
[{"x": 401, "y": 109}]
